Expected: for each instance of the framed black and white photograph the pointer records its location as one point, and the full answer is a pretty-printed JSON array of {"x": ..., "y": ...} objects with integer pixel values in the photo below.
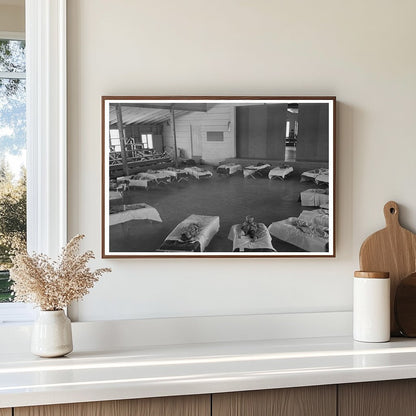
[{"x": 218, "y": 176}]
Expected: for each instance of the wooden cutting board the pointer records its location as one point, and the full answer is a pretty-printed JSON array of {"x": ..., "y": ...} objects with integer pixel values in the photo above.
[{"x": 393, "y": 250}]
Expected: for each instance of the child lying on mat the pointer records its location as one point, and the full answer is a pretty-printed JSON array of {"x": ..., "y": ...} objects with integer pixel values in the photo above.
[
  {"x": 251, "y": 228},
  {"x": 190, "y": 233}
]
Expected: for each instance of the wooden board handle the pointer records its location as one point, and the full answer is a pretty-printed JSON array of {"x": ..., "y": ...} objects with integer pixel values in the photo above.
[{"x": 391, "y": 214}]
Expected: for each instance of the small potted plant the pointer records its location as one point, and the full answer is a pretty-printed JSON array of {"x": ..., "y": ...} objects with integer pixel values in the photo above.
[{"x": 52, "y": 286}]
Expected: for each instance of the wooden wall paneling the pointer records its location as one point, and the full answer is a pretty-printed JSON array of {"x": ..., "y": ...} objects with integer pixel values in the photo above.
[
  {"x": 158, "y": 143},
  {"x": 313, "y": 132},
  {"x": 276, "y": 131},
  {"x": 242, "y": 134},
  {"x": 196, "y": 139},
  {"x": 300, "y": 401},
  {"x": 5, "y": 412},
  {"x": 160, "y": 406},
  {"x": 257, "y": 132},
  {"x": 381, "y": 398}
]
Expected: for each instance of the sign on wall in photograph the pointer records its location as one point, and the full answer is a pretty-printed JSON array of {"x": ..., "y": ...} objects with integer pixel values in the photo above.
[{"x": 218, "y": 176}]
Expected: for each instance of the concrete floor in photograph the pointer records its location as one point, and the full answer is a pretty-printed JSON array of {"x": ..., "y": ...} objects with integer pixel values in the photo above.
[{"x": 229, "y": 197}]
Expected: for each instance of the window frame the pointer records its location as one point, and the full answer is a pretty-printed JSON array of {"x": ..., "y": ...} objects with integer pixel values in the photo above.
[
  {"x": 46, "y": 125},
  {"x": 46, "y": 121}
]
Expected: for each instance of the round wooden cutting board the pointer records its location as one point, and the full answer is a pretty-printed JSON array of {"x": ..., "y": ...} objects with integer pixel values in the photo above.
[{"x": 393, "y": 250}]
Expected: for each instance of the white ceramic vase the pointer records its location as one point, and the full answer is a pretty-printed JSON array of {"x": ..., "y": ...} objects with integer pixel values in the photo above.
[{"x": 52, "y": 334}]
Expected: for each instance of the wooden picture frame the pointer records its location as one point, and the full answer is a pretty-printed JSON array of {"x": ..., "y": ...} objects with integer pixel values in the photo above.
[{"x": 224, "y": 176}]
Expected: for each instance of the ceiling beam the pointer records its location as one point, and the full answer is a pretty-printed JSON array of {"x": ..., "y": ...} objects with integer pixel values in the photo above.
[{"x": 167, "y": 106}]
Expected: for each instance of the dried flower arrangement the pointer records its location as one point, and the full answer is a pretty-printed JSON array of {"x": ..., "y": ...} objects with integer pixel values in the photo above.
[{"x": 52, "y": 285}]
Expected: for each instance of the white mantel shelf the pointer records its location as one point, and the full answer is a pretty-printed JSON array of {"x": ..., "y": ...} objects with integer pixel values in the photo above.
[{"x": 170, "y": 370}]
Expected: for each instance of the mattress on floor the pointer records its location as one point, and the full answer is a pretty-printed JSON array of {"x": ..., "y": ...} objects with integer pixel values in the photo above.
[
  {"x": 198, "y": 172},
  {"x": 309, "y": 231},
  {"x": 229, "y": 168},
  {"x": 243, "y": 242},
  {"x": 208, "y": 227},
  {"x": 280, "y": 172},
  {"x": 314, "y": 197},
  {"x": 124, "y": 213}
]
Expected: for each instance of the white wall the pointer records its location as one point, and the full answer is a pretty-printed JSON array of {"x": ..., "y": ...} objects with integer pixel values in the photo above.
[
  {"x": 361, "y": 51},
  {"x": 220, "y": 117}
]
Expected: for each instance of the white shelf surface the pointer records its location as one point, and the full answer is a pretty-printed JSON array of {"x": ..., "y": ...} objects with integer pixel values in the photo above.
[{"x": 151, "y": 371}]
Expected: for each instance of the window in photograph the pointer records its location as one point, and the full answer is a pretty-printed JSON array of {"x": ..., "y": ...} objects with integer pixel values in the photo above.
[
  {"x": 147, "y": 141},
  {"x": 215, "y": 136}
]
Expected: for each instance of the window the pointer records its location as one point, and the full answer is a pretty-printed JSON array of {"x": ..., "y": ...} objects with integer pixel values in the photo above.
[
  {"x": 147, "y": 141},
  {"x": 46, "y": 135},
  {"x": 12, "y": 156},
  {"x": 215, "y": 136}
]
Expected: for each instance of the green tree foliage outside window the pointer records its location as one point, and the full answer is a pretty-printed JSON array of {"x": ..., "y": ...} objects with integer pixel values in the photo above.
[{"x": 12, "y": 224}]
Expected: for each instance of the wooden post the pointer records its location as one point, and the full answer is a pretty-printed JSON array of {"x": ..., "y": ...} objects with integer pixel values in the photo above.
[
  {"x": 172, "y": 119},
  {"x": 192, "y": 144},
  {"x": 122, "y": 139}
]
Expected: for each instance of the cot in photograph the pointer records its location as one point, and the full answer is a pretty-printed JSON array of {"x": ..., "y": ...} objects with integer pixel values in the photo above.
[
  {"x": 115, "y": 197},
  {"x": 319, "y": 175},
  {"x": 280, "y": 172},
  {"x": 159, "y": 176},
  {"x": 323, "y": 177},
  {"x": 208, "y": 226},
  {"x": 259, "y": 170},
  {"x": 314, "y": 198},
  {"x": 242, "y": 242},
  {"x": 124, "y": 213},
  {"x": 309, "y": 231},
  {"x": 229, "y": 169},
  {"x": 175, "y": 173},
  {"x": 139, "y": 180},
  {"x": 198, "y": 172}
]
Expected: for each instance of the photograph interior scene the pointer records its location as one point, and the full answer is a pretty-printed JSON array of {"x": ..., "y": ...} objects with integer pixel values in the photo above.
[{"x": 238, "y": 177}]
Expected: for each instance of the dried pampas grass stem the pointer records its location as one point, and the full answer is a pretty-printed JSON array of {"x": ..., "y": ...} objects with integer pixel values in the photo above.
[{"x": 53, "y": 285}]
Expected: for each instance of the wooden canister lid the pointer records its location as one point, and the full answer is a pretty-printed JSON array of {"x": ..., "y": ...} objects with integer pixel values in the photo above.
[{"x": 372, "y": 275}]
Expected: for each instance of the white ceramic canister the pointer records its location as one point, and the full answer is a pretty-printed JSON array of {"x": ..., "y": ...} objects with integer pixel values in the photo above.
[{"x": 371, "y": 309}]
